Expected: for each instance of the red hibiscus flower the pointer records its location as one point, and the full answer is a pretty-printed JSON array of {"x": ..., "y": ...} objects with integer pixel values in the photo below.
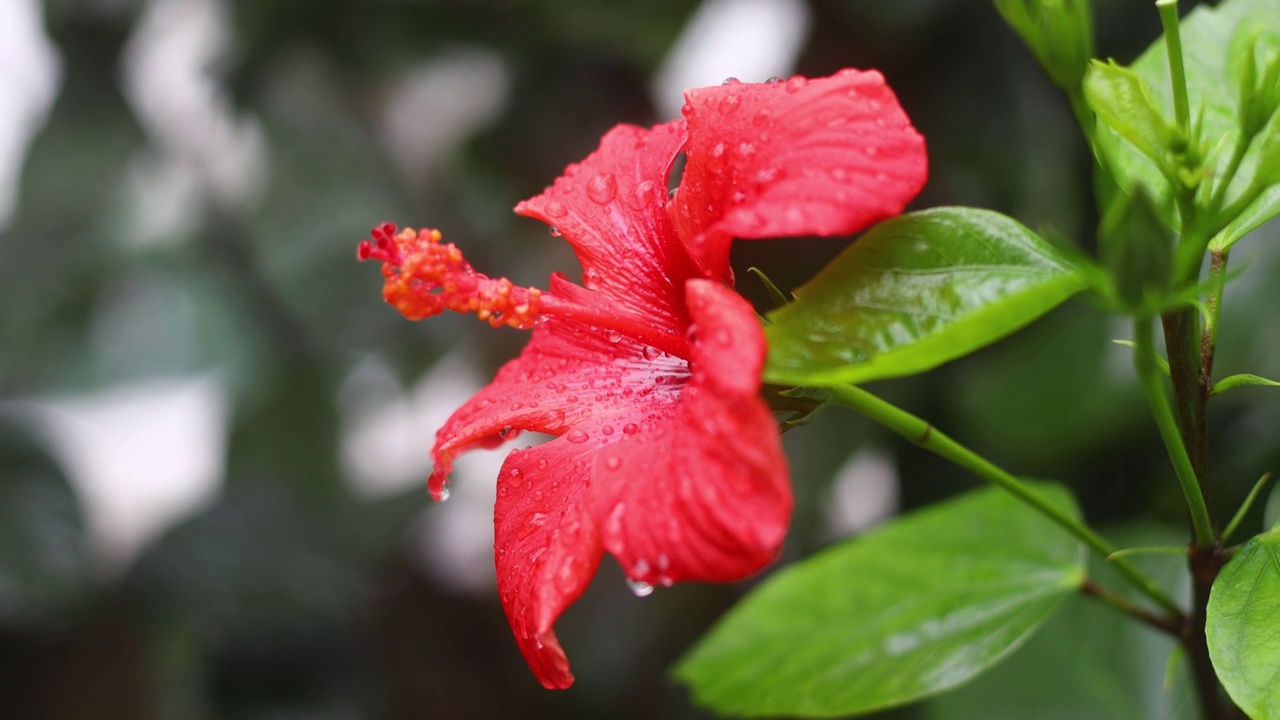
[{"x": 648, "y": 373}]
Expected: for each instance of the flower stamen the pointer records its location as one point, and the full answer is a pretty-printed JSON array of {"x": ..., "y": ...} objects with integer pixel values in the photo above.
[{"x": 425, "y": 277}]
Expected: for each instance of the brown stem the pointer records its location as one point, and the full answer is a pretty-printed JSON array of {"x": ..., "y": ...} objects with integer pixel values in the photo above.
[
  {"x": 1205, "y": 565},
  {"x": 1190, "y": 388},
  {"x": 1165, "y": 624}
]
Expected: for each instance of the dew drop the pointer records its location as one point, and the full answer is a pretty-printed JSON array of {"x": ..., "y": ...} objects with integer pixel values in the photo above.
[
  {"x": 607, "y": 429},
  {"x": 555, "y": 231},
  {"x": 442, "y": 494},
  {"x": 542, "y": 464},
  {"x": 554, "y": 209},
  {"x": 641, "y": 195},
  {"x": 671, "y": 194},
  {"x": 615, "y": 336},
  {"x": 639, "y": 588},
  {"x": 576, "y": 436},
  {"x": 515, "y": 477},
  {"x": 730, "y": 103},
  {"x": 796, "y": 83},
  {"x": 602, "y": 188},
  {"x": 507, "y": 432},
  {"x": 630, "y": 429},
  {"x": 651, "y": 352},
  {"x": 773, "y": 80},
  {"x": 731, "y": 81}
]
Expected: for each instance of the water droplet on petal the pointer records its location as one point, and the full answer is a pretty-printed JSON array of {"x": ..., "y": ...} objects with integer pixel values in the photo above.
[
  {"x": 773, "y": 80},
  {"x": 671, "y": 194},
  {"x": 651, "y": 353},
  {"x": 576, "y": 436},
  {"x": 641, "y": 195},
  {"x": 607, "y": 429},
  {"x": 554, "y": 209},
  {"x": 555, "y": 231},
  {"x": 796, "y": 83},
  {"x": 731, "y": 81},
  {"x": 508, "y": 432},
  {"x": 615, "y": 336},
  {"x": 602, "y": 188},
  {"x": 630, "y": 429},
  {"x": 542, "y": 464},
  {"x": 515, "y": 476},
  {"x": 442, "y": 494}
]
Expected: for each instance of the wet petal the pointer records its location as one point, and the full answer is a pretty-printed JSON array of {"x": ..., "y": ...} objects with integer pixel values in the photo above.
[
  {"x": 611, "y": 208},
  {"x": 828, "y": 156},
  {"x": 568, "y": 378},
  {"x": 546, "y": 547},
  {"x": 703, "y": 492}
]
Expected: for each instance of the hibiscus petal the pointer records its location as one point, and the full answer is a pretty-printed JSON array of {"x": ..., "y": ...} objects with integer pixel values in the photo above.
[
  {"x": 546, "y": 547},
  {"x": 568, "y": 376},
  {"x": 701, "y": 493},
  {"x": 828, "y": 156},
  {"x": 611, "y": 208}
]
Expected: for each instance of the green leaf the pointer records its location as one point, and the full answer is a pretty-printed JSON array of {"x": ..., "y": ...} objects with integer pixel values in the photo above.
[
  {"x": 1089, "y": 661},
  {"x": 1238, "y": 380},
  {"x": 908, "y": 611},
  {"x": 1241, "y": 627},
  {"x": 1207, "y": 34},
  {"x": 1059, "y": 32},
  {"x": 913, "y": 293},
  {"x": 1123, "y": 102}
]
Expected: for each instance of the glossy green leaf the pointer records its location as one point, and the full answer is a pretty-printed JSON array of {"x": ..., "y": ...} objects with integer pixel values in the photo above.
[
  {"x": 1123, "y": 102},
  {"x": 1241, "y": 627},
  {"x": 1089, "y": 661},
  {"x": 908, "y": 611},
  {"x": 913, "y": 293}
]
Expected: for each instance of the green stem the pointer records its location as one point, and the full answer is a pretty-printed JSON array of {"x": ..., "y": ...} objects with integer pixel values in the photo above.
[
  {"x": 1153, "y": 385},
  {"x": 1177, "y": 74},
  {"x": 926, "y": 436}
]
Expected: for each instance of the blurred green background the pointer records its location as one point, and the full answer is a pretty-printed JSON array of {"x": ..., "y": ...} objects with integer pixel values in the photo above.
[{"x": 213, "y": 434}]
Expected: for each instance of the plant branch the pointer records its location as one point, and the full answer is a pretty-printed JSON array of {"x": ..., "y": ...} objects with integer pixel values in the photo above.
[
  {"x": 926, "y": 436},
  {"x": 1144, "y": 361},
  {"x": 1128, "y": 607}
]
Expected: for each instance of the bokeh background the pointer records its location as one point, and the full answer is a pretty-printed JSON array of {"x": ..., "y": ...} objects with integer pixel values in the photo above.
[{"x": 214, "y": 436}]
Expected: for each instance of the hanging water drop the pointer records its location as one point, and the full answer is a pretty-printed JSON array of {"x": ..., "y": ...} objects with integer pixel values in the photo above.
[
  {"x": 442, "y": 494},
  {"x": 555, "y": 231},
  {"x": 639, "y": 588}
]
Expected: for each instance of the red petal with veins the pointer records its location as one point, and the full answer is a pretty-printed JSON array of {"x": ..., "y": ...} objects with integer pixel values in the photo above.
[
  {"x": 702, "y": 493},
  {"x": 546, "y": 547},
  {"x": 568, "y": 380},
  {"x": 828, "y": 156},
  {"x": 612, "y": 208}
]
